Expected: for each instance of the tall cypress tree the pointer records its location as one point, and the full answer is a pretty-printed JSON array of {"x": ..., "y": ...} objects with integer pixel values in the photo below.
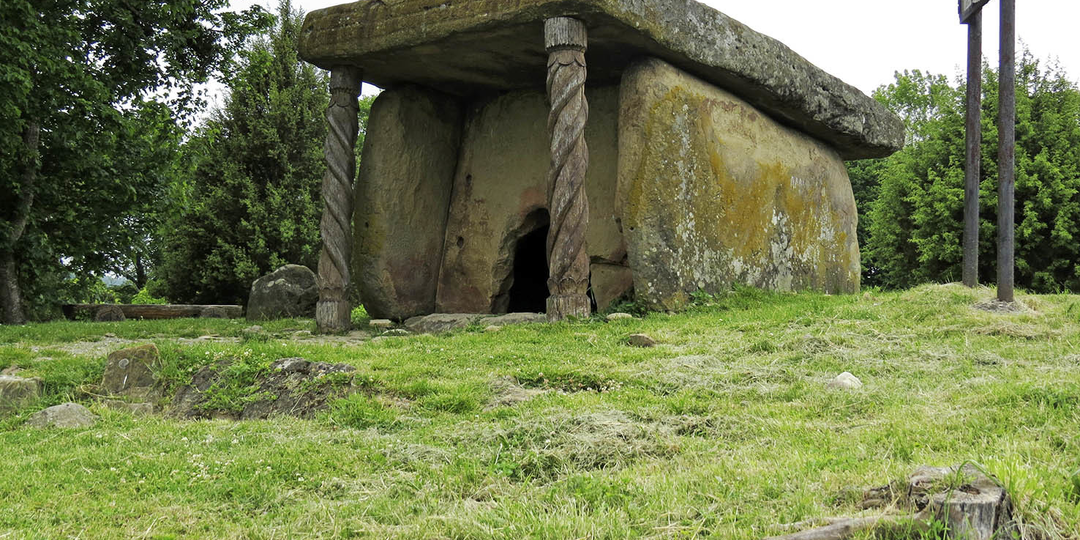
[
  {"x": 251, "y": 201},
  {"x": 915, "y": 219}
]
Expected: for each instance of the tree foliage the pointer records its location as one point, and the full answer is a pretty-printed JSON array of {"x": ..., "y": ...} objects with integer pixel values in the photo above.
[
  {"x": 911, "y": 224},
  {"x": 251, "y": 200},
  {"x": 77, "y": 159}
]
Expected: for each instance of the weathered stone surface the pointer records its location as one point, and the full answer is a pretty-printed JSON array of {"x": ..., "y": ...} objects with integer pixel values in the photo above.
[
  {"x": 136, "y": 409},
  {"x": 711, "y": 193},
  {"x": 402, "y": 196},
  {"x": 618, "y": 317},
  {"x": 610, "y": 282},
  {"x": 845, "y": 381},
  {"x": 129, "y": 369},
  {"x": 17, "y": 391},
  {"x": 381, "y": 324},
  {"x": 441, "y": 322},
  {"x": 500, "y": 195},
  {"x": 66, "y": 415},
  {"x": 640, "y": 340},
  {"x": 515, "y": 318},
  {"x": 109, "y": 313},
  {"x": 494, "y": 45},
  {"x": 289, "y": 291}
]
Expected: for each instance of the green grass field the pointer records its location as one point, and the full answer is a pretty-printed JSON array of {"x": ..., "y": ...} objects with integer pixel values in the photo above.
[{"x": 723, "y": 430}]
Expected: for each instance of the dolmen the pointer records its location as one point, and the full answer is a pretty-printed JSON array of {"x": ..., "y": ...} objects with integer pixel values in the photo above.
[{"x": 555, "y": 155}]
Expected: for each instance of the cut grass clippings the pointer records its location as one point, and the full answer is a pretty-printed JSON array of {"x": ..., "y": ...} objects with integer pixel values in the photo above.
[{"x": 723, "y": 430}]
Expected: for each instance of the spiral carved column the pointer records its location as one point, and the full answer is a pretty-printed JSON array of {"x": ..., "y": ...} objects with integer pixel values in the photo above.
[
  {"x": 333, "y": 310},
  {"x": 568, "y": 263}
]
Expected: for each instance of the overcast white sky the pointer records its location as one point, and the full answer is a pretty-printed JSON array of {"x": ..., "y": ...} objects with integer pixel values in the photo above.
[{"x": 864, "y": 42}]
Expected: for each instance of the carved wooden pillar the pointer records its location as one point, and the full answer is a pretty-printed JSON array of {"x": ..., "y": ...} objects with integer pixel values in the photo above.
[
  {"x": 568, "y": 263},
  {"x": 333, "y": 310}
]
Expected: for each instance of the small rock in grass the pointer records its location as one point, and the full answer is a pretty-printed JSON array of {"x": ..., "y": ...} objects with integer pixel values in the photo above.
[
  {"x": 381, "y": 324},
  {"x": 640, "y": 340},
  {"x": 846, "y": 381},
  {"x": 130, "y": 368},
  {"x": 302, "y": 334},
  {"x": 110, "y": 335},
  {"x": 493, "y": 328},
  {"x": 11, "y": 370},
  {"x": 396, "y": 332},
  {"x": 17, "y": 391},
  {"x": 618, "y": 316},
  {"x": 65, "y": 415}
]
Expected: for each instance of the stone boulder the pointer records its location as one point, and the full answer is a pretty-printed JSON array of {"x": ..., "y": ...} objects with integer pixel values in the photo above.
[
  {"x": 712, "y": 192},
  {"x": 289, "y": 291},
  {"x": 66, "y": 415},
  {"x": 441, "y": 322},
  {"x": 130, "y": 372},
  {"x": 17, "y": 391}
]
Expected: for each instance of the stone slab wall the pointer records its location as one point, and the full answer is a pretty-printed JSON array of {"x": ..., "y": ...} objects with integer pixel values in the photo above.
[
  {"x": 402, "y": 198},
  {"x": 500, "y": 194},
  {"x": 712, "y": 192}
]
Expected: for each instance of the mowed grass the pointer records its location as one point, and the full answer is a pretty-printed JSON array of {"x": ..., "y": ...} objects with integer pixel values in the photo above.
[{"x": 723, "y": 430}]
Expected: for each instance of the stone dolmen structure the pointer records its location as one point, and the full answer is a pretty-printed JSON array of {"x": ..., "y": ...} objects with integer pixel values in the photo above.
[{"x": 552, "y": 155}]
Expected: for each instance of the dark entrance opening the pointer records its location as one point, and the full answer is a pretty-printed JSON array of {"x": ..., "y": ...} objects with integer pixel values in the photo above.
[{"x": 529, "y": 292}]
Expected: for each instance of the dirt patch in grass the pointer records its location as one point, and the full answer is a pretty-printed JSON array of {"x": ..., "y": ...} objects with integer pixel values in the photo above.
[{"x": 245, "y": 390}]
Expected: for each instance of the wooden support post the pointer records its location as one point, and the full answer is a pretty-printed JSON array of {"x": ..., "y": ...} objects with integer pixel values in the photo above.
[
  {"x": 973, "y": 129},
  {"x": 332, "y": 313},
  {"x": 568, "y": 263},
  {"x": 1006, "y": 151}
]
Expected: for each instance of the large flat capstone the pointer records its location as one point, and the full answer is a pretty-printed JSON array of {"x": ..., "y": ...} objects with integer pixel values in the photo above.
[{"x": 477, "y": 46}]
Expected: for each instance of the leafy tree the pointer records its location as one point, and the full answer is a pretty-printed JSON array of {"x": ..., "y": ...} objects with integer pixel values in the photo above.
[
  {"x": 75, "y": 73},
  {"x": 914, "y": 227},
  {"x": 252, "y": 198}
]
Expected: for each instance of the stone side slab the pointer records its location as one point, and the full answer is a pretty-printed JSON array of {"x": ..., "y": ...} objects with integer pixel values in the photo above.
[
  {"x": 402, "y": 200},
  {"x": 712, "y": 192}
]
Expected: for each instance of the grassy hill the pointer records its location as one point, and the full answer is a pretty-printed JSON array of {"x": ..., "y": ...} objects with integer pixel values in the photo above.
[{"x": 725, "y": 429}]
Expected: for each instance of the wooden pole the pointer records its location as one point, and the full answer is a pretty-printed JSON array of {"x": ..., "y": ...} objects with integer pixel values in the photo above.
[
  {"x": 1006, "y": 151},
  {"x": 332, "y": 313},
  {"x": 568, "y": 263},
  {"x": 974, "y": 151}
]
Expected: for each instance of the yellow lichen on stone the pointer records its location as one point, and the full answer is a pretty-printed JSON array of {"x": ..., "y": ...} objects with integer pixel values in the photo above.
[{"x": 714, "y": 193}]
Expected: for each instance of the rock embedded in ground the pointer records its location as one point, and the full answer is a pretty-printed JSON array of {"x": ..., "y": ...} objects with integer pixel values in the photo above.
[
  {"x": 845, "y": 381},
  {"x": 381, "y": 324},
  {"x": 66, "y": 415},
  {"x": 492, "y": 328},
  {"x": 618, "y": 317},
  {"x": 515, "y": 318},
  {"x": 441, "y": 322},
  {"x": 109, "y": 313},
  {"x": 289, "y": 291},
  {"x": 11, "y": 370},
  {"x": 136, "y": 409},
  {"x": 249, "y": 331},
  {"x": 396, "y": 332},
  {"x": 130, "y": 370},
  {"x": 16, "y": 392},
  {"x": 640, "y": 340}
]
